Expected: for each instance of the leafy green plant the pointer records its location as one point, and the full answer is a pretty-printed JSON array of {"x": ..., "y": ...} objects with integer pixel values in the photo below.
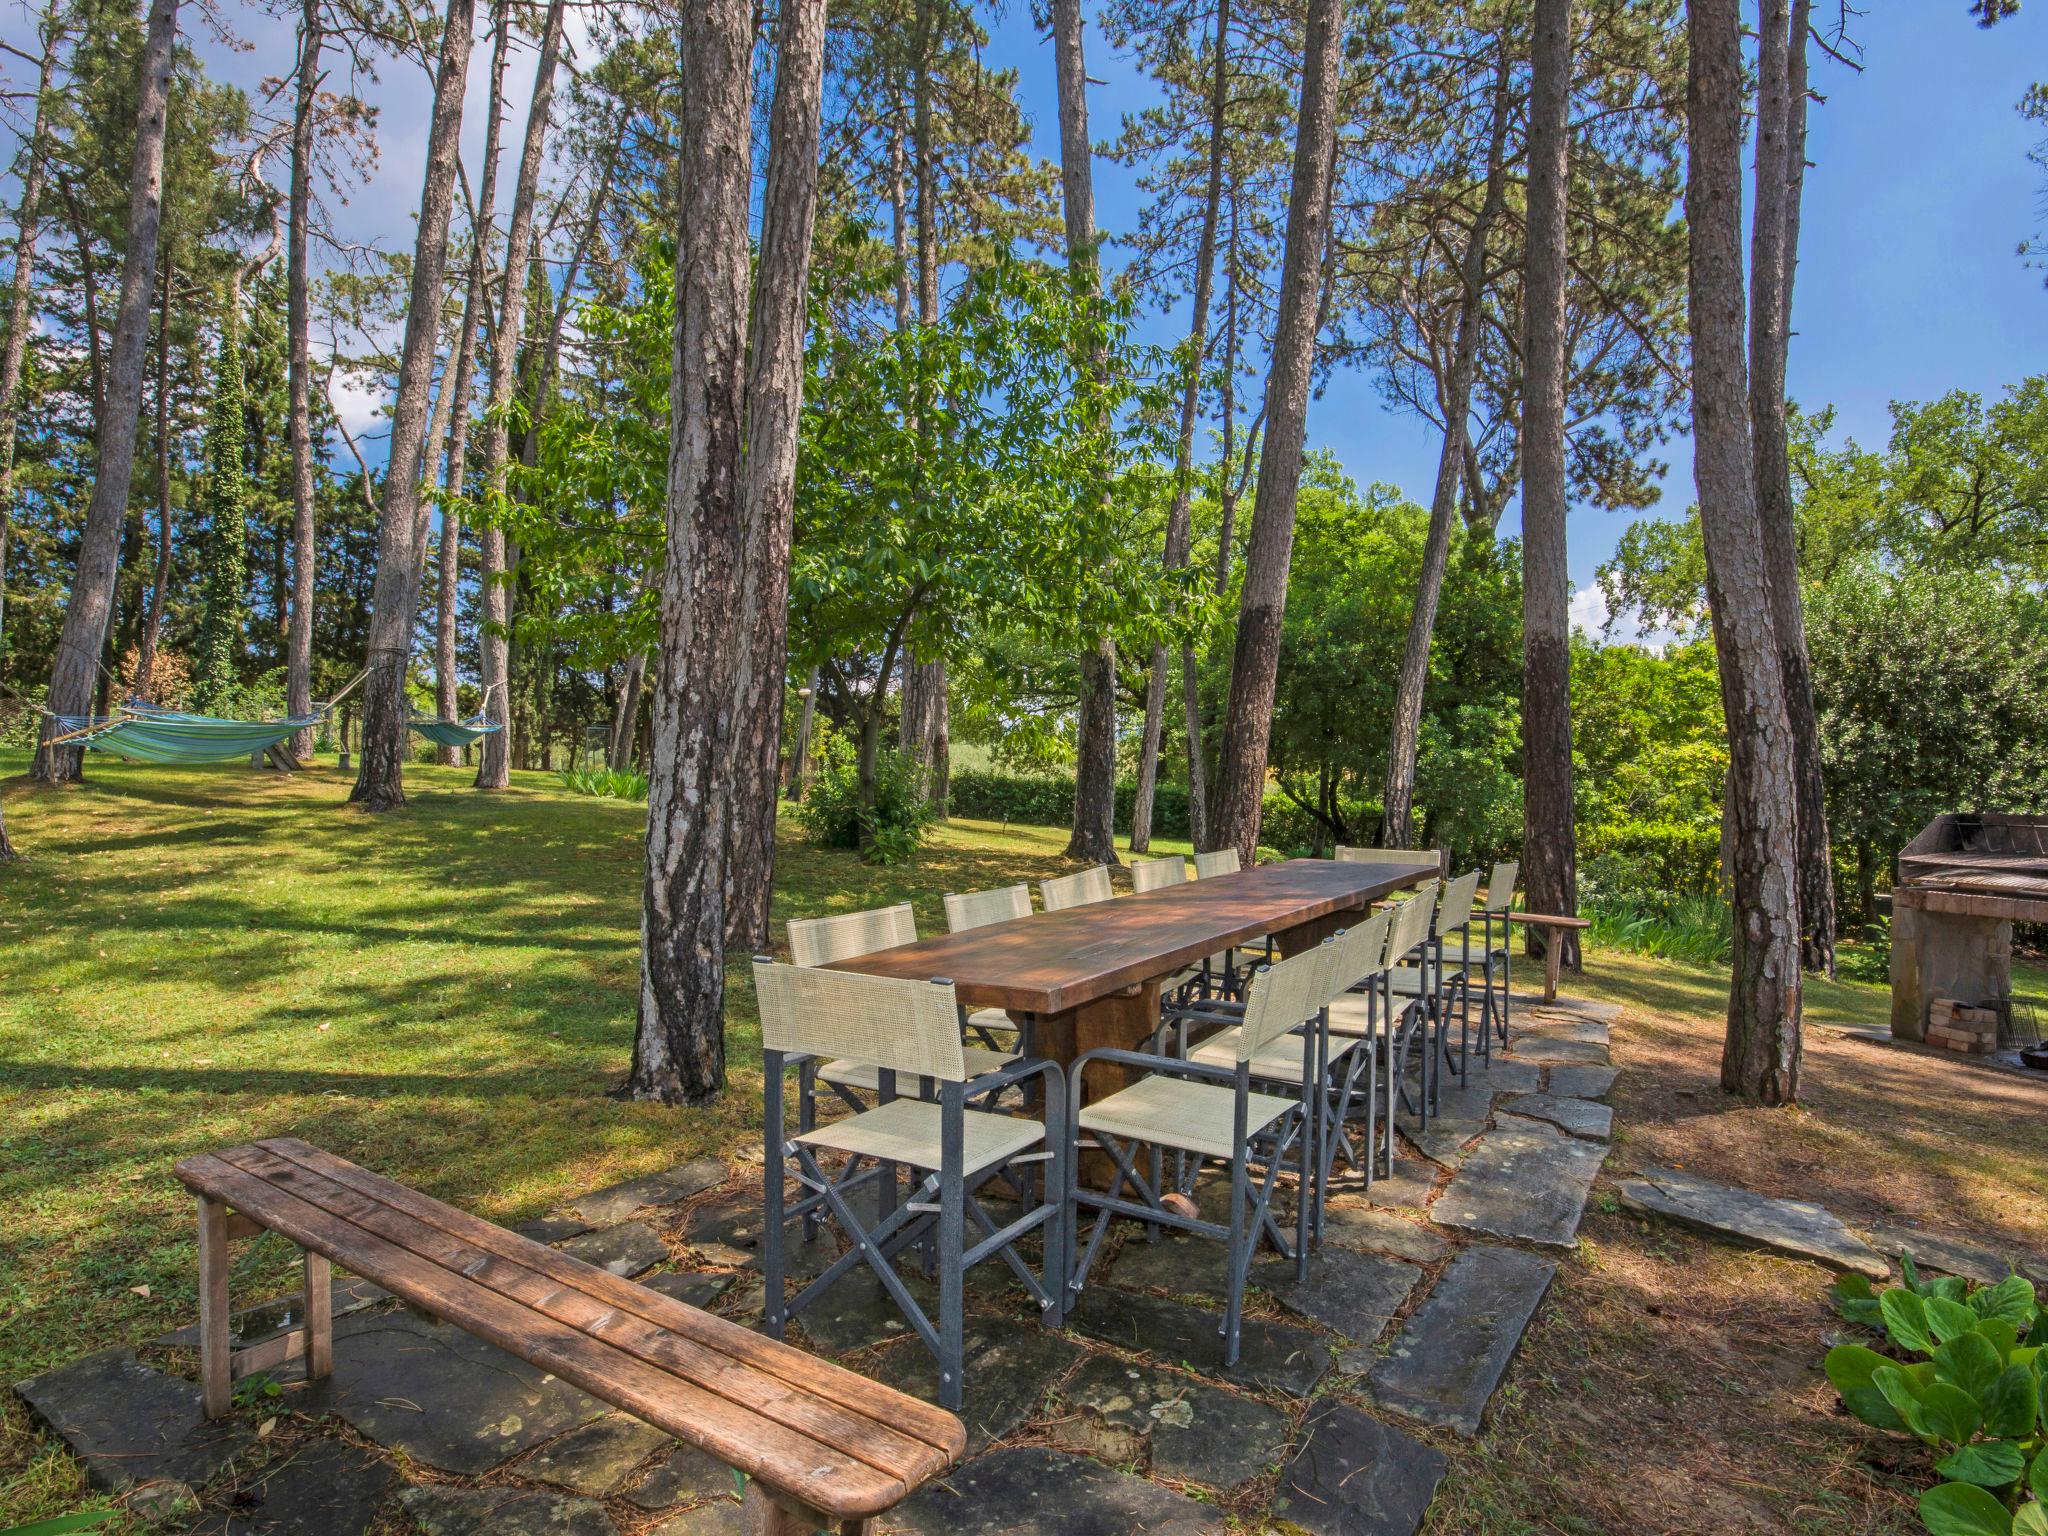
[
  {"x": 606, "y": 783},
  {"x": 891, "y": 829},
  {"x": 1964, "y": 1381}
]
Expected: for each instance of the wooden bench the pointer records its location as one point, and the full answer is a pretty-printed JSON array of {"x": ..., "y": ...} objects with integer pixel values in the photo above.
[
  {"x": 820, "y": 1445},
  {"x": 1553, "y": 949}
]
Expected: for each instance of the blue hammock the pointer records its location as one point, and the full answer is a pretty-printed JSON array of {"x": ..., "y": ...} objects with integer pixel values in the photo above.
[
  {"x": 146, "y": 735},
  {"x": 454, "y": 733}
]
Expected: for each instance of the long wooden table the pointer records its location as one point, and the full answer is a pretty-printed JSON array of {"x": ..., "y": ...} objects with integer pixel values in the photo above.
[{"x": 1089, "y": 977}]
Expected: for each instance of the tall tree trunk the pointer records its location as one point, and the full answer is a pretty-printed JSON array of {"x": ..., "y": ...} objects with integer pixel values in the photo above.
[
  {"x": 1780, "y": 173},
  {"x": 493, "y": 766},
  {"x": 1226, "y": 503},
  {"x": 298, "y": 647},
  {"x": 1179, "y": 515},
  {"x": 1397, "y": 815},
  {"x": 1760, "y": 1059},
  {"x": 401, "y": 531},
  {"x": 1094, "y": 825},
  {"x": 626, "y": 724},
  {"x": 21, "y": 288},
  {"x": 1549, "y": 856},
  {"x": 1254, "y": 668},
  {"x": 927, "y": 721},
  {"x": 679, "y": 1041},
  {"x": 160, "y": 578},
  {"x": 457, "y": 382},
  {"x": 92, "y": 587},
  {"x": 800, "y": 751},
  {"x": 775, "y": 392}
]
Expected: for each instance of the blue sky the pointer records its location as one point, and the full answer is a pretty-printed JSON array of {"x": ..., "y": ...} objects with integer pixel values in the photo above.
[{"x": 1909, "y": 285}]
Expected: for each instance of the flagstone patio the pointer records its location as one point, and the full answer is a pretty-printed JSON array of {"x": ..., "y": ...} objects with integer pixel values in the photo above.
[{"x": 1338, "y": 1416}]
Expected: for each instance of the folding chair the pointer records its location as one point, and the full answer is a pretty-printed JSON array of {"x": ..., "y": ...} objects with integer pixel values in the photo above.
[
  {"x": 1344, "y": 855},
  {"x": 1224, "y": 861},
  {"x": 1400, "y": 1026},
  {"x": 1360, "y": 1011},
  {"x": 1157, "y": 874},
  {"x": 977, "y": 909},
  {"x": 897, "y": 1026},
  {"x": 1438, "y": 978},
  {"x": 1494, "y": 946},
  {"x": 1210, "y": 1112},
  {"x": 1220, "y": 861},
  {"x": 1076, "y": 890}
]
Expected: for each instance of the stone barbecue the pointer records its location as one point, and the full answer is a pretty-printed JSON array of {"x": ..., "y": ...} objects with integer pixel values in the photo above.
[{"x": 1963, "y": 882}]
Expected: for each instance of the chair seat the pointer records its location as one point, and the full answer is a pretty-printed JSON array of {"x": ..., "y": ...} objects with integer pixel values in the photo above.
[
  {"x": 1276, "y": 1061},
  {"x": 1173, "y": 1112},
  {"x": 908, "y": 1131},
  {"x": 858, "y": 1074},
  {"x": 1354, "y": 1015}
]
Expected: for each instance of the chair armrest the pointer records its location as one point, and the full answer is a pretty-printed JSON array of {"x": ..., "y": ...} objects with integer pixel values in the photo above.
[{"x": 1171, "y": 1066}]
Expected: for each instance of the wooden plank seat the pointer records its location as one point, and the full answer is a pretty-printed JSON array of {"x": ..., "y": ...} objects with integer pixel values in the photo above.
[{"x": 820, "y": 1445}]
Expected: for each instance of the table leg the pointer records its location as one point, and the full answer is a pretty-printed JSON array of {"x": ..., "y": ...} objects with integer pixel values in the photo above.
[{"x": 1123, "y": 1020}]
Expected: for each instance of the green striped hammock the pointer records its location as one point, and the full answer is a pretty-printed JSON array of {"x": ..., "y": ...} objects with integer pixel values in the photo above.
[
  {"x": 454, "y": 733},
  {"x": 145, "y": 735}
]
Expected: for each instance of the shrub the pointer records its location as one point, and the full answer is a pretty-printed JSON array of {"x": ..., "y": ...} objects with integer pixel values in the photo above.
[
  {"x": 896, "y": 826},
  {"x": 1044, "y": 800},
  {"x": 1962, "y": 1380},
  {"x": 606, "y": 783}
]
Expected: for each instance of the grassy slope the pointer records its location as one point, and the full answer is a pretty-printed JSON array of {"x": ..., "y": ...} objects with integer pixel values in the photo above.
[{"x": 177, "y": 939}]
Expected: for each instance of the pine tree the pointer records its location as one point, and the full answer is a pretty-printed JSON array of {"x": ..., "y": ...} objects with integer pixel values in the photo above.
[{"x": 224, "y": 497}]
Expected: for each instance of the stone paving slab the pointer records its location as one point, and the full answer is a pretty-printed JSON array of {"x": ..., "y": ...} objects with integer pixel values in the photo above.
[
  {"x": 1796, "y": 1228},
  {"x": 1952, "y": 1255},
  {"x": 693, "y": 1288},
  {"x": 439, "y": 1395},
  {"x": 1353, "y": 1294},
  {"x": 444, "y": 1511},
  {"x": 1451, "y": 1354},
  {"x": 1583, "y": 1118},
  {"x": 628, "y": 1249},
  {"x": 1500, "y": 1074},
  {"x": 1272, "y": 1357},
  {"x": 1581, "y": 1082},
  {"x": 1193, "y": 1432},
  {"x": 721, "y": 1517},
  {"x": 614, "y": 1204},
  {"x": 1555, "y": 1052},
  {"x": 1028, "y": 1491},
  {"x": 281, "y": 1314},
  {"x": 596, "y": 1459},
  {"x": 1554, "y": 1024},
  {"x": 329, "y": 1488},
  {"x": 1348, "y": 1222},
  {"x": 1525, "y": 1181},
  {"x": 1408, "y": 1187},
  {"x": 1355, "y": 1476},
  {"x": 130, "y": 1424},
  {"x": 1009, "y": 1368},
  {"x": 688, "y": 1476},
  {"x": 553, "y": 1229},
  {"x": 1531, "y": 1004}
]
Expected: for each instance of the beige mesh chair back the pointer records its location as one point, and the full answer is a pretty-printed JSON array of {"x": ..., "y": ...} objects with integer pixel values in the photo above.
[
  {"x": 1157, "y": 874},
  {"x": 1077, "y": 890},
  {"x": 1500, "y": 886},
  {"x": 1223, "y": 861},
  {"x": 903, "y": 1026},
  {"x": 1346, "y": 855},
  {"x": 1284, "y": 996},
  {"x": 977, "y": 909},
  {"x": 1456, "y": 909},
  {"x": 1411, "y": 923},
  {"x": 1360, "y": 952},
  {"x": 822, "y": 940}
]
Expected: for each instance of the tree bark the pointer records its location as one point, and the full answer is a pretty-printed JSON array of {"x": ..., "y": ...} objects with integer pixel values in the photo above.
[
  {"x": 1179, "y": 515},
  {"x": 1549, "y": 855},
  {"x": 1094, "y": 825},
  {"x": 800, "y": 752},
  {"x": 1397, "y": 815},
  {"x": 1761, "y": 1057},
  {"x": 1780, "y": 173},
  {"x": 401, "y": 532},
  {"x": 493, "y": 766},
  {"x": 92, "y": 587},
  {"x": 775, "y": 392},
  {"x": 1254, "y": 668},
  {"x": 626, "y": 724},
  {"x": 927, "y": 723},
  {"x": 298, "y": 648},
  {"x": 679, "y": 1040},
  {"x": 160, "y": 578}
]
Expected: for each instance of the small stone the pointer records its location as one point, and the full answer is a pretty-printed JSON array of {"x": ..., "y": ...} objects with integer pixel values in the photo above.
[
  {"x": 1355, "y": 1476},
  {"x": 1797, "y": 1228},
  {"x": 159, "y": 1501},
  {"x": 1575, "y": 1117},
  {"x": 1945, "y": 1255},
  {"x": 1008, "y": 1369},
  {"x": 1194, "y": 1432},
  {"x": 626, "y": 1249},
  {"x": 1354, "y": 1294},
  {"x": 1349, "y": 1224},
  {"x": 693, "y": 1288},
  {"x": 618, "y": 1201},
  {"x": 1569, "y": 1082},
  {"x": 596, "y": 1458},
  {"x": 1522, "y": 1181},
  {"x": 1272, "y": 1357},
  {"x": 131, "y": 1425},
  {"x": 688, "y": 1476},
  {"x": 553, "y": 1229},
  {"x": 443, "y": 1511},
  {"x": 1451, "y": 1354},
  {"x": 1028, "y": 1491},
  {"x": 330, "y": 1488}
]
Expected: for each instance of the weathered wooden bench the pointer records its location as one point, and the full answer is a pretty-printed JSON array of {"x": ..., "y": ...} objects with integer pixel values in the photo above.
[
  {"x": 1553, "y": 949},
  {"x": 820, "y": 1445}
]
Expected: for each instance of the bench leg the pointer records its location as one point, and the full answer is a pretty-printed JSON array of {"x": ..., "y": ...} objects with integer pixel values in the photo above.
[
  {"x": 1553, "y": 960},
  {"x": 766, "y": 1513},
  {"x": 216, "y": 1393},
  {"x": 319, "y": 1316}
]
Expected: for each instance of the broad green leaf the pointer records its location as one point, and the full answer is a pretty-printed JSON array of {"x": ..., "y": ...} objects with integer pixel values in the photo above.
[
  {"x": 2011, "y": 1401},
  {"x": 1903, "y": 1393},
  {"x": 61, "y": 1524},
  {"x": 1905, "y": 1319},
  {"x": 2011, "y": 1300},
  {"x": 1870, "y": 1405},
  {"x": 1948, "y": 1288},
  {"x": 2037, "y": 1474},
  {"x": 1949, "y": 1412},
  {"x": 1968, "y": 1361},
  {"x": 1911, "y": 1272},
  {"x": 1851, "y": 1365},
  {"x": 1961, "y": 1509},
  {"x": 1948, "y": 1319},
  {"x": 2003, "y": 1336},
  {"x": 2032, "y": 1520},
  {"x": 1987, "y": 1463}
]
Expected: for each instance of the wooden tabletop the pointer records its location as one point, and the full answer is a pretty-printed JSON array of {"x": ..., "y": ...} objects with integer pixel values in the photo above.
[{"x": 1054, "y": 961}]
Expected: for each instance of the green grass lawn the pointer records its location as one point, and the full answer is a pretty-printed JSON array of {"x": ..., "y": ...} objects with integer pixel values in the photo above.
[{"x": 195, "y": 957}]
